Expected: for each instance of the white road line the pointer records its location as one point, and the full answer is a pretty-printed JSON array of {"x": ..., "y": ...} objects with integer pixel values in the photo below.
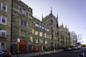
[{"x": 83, "y": 54}]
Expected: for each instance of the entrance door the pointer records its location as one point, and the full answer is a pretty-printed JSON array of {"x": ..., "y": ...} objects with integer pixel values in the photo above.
[{"x": 2, "y": 46}]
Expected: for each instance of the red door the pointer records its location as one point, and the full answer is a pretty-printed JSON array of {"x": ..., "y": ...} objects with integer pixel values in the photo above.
[{"x": 23, "y": 46}]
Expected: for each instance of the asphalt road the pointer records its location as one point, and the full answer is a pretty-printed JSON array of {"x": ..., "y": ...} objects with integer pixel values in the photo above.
[{"x": 74, "y": 53}]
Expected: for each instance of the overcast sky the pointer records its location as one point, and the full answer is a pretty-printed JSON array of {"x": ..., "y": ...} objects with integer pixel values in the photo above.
[{"x": 70, "y": 12}]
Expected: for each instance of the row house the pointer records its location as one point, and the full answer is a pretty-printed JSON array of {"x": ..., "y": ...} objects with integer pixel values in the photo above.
[
  {"x": 21, "y": 32},
  {"x": 5, "y": 24},
  {"x": 40, "y": 35},
  {"x": 21, "y": 14}
]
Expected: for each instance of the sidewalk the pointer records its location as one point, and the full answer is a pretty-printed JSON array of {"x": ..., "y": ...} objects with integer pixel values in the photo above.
[{"x": 36, "y": 54}]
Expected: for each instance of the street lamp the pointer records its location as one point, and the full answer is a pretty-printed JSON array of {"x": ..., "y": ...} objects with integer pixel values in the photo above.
[{"x": 18, "y": 41}]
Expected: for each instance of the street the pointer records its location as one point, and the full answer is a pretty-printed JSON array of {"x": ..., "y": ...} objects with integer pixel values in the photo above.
[{"x": 74, "y": 53}]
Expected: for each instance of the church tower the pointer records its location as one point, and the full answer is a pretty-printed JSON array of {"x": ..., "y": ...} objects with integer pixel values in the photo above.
[{"x": 52, "y": 22}]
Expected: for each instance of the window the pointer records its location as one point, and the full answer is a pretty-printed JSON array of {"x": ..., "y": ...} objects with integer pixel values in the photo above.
[
  {"x": 45, "y": 42},
  {"x": 36, "y": 40},
  {"x": 36, "y": 25},
  {"x": 42, "y": 27},
  {"x": 24, "y": 12},
  {"x": 2, "y": 33},
  {"x": 36, "y": 32},
  {"x": 47, "y": 29},
  {"x": 40, "y": 33},
  {"x": 3, "y": 20},
  {"x": 4, "y": 6},
  {"x": 31, "y": 39},
  {"x": 23, "y": 23},
  {"x": 2, "y": 46},
  {"x": 33, "y": 31}
]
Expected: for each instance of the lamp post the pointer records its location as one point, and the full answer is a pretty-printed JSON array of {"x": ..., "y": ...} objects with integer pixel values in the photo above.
[{"x": 18, "y": 41}]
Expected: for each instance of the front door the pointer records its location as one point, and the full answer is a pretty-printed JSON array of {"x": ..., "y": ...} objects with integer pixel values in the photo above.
[{"x": 2, "y": 46}]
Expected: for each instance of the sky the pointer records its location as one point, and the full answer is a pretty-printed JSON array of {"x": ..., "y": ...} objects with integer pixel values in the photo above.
[{"x": 71, "y": 13}]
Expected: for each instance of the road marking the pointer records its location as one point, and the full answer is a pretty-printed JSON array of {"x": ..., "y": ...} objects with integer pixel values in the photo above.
[{"x": 83, "y": 54}]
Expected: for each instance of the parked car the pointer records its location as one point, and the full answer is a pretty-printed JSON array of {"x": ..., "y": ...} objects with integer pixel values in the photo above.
[
  {"x": 2, "y": 53},
  {"x": 67, "y": 49},
  {"x": 76, "y": 48},
  {"x": 5, "y": 53}
]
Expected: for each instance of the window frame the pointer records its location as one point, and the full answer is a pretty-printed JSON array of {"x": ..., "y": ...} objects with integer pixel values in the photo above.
[
  {"x": 5, "y": 5},
  {"x": 1, "y": 20},
  {"x": 24, "y": 23},
  {"x": 3, "y": 31}
]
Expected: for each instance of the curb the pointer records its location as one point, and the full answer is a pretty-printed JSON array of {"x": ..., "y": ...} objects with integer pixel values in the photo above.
[{"x": 37, "y": 54}]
